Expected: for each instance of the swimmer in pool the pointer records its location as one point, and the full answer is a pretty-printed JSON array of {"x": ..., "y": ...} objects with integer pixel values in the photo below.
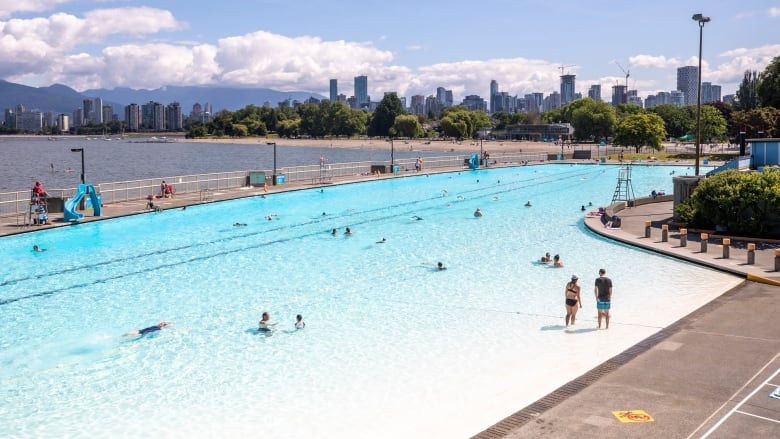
[
  {"x": 348, "y": 232},
  {"x": 477, "y": 213},
  {"x": 299, "y": 323},
  {"x": 417, "y": 218},
  {"x": 38, "y": 249},
  {"x": 440, "y": 266},
  {"x": 149, "y": 330},
  {"x": 381, "y": 241},
  {"x": 265, "y": 324}
]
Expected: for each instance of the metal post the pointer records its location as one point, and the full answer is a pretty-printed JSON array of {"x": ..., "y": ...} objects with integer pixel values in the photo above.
[
  {"x": 81, "y": 150},
  {"x": 701, "y": 20},
  {"x": 726, "y": 248},
  {"x": 392, "y": 156},
  {"x": 751, "y": 253},
  {"x": 704, "y": 238},
  {"x": 665, "y": 233},
  {"x": 274, "y": 174},
  {"x": 648, "y": 225},
  {"x": 683, "y": 237}
]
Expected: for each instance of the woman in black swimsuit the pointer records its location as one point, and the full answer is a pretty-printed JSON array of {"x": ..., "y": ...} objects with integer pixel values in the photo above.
[{"x": 573, "y": 301}]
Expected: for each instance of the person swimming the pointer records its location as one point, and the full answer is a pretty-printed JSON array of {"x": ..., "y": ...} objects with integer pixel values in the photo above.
[
  {"x": 299, "y": 323},
  {"x": 477, "y": 213},
  {"x": 528, "y": 204},
  {"x": 150, "y": 329},
  {"x": 381, "y": 241},
  {"x": 440, "y": 266},
  {"x": 334, "y": 232},
  {"x": 239, "y": 224},
  {"x": 38, "y": 249},
  {"x": 348, "y": 231},
  {"x": 417, "y": 218}
]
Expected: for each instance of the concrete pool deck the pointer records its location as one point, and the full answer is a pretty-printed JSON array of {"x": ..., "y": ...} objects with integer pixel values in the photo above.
[{"x": 709, "y": 373}]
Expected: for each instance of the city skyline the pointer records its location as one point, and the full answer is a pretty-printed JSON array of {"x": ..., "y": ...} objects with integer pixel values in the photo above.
[{"x": 98, "y": 44}]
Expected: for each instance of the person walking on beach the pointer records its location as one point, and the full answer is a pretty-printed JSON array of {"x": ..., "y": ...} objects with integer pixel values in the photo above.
[
  {"x": 573, "y": 301},
  {"x": 603, "y": 293}
]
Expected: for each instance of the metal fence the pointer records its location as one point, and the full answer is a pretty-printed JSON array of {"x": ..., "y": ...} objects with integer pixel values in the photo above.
[{"x": 18, "y": 203}]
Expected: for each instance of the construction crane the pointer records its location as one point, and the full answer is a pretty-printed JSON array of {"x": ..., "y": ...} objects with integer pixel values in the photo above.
[
  {"x": 627, "y": 73},
  {"x": 565, "y": 67}
]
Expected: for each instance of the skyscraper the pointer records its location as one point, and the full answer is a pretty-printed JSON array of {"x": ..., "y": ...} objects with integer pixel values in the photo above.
[
  {"x": 688, "y": 83},
  {"x": 493, "y": 95},
  {"x": 619, "y": 95},
  {"x": 97, "y": 116},
  {"x": 361, "y": 91},
  {"x": 567, "y": 88},
  {"x": 334, "y": 90},
  {"x": 594, "y": 92}
]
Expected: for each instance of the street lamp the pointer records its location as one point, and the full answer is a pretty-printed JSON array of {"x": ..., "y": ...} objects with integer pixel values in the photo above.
[
  {"x": 81, "y": 150},
  {"x": 392, "y": 156},
  {"x": 274, "y": 174},
  {"x": 701, "y": 20}
]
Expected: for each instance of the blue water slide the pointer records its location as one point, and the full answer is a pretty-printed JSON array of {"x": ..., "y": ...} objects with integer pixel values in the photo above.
[
  {"x": 71, "y": 205},
  {"x": 474, "y": 161}
]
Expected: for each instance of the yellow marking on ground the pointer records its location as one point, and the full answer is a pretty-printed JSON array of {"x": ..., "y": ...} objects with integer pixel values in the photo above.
[{"x": 632, "y": 416}]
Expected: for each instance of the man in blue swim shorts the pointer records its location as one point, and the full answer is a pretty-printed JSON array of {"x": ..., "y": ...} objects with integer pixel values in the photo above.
[
  {"x": 603, "y": 293},
  {"x": 149, "y": 330}
]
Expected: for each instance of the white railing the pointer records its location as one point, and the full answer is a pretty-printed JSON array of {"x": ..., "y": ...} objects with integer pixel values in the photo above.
[{"x": 18, "y": 203}]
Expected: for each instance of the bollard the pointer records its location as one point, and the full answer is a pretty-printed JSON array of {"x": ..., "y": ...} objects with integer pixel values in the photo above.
[
  {"x": 777, "y": 259},
  {"x": 665, "y": 233},
  {"x": 726, "y": 245},
  {"x": 751, "y": 257},
  {"x": 647, "y": 228},
  {"x": 683, "y": 237},
  {"x": 704, "y": 238}
]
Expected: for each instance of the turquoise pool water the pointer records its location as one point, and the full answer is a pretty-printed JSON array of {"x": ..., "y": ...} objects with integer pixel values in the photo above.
[{"x": 392, "y": 347}]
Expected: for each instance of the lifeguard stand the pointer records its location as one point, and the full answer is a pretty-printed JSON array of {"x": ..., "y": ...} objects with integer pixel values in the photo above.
[
  {"x": 38, "y": 213},
  {"x": 624, "y": 191}
]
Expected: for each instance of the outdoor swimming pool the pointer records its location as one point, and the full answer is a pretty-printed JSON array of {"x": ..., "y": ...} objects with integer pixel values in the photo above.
[{"x": 392, "y": 347}]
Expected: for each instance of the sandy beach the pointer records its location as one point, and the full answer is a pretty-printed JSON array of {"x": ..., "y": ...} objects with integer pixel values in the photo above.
[{"x": 464, "y": 146}]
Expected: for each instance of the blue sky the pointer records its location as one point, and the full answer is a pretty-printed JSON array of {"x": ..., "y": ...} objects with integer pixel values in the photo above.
[{"x": 410, "y": 47}]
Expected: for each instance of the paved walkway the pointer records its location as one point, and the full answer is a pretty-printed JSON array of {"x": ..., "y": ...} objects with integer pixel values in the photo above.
[{"x": 709, "y": 375}]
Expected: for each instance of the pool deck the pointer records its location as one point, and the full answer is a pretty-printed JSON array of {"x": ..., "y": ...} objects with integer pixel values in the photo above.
[{"x": 709, "y": 374}]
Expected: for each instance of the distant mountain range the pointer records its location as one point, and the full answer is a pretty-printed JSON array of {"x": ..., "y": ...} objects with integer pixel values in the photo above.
[{"x": 62, "y": 99}]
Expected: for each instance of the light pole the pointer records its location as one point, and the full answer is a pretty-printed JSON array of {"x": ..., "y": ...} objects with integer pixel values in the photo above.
[
  {"x": 701, "y": 20},
  {"x": 392, "y": 156},
  {"x": 274, "y": 174},
  {"x": 81, "y": 150}
]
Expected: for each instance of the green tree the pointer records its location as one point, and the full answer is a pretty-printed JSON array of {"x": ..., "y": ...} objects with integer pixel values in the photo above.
[
  {"x": 312, "y": 119},
  {"x": 289, "y": 127},
  {"x": 756, "y": 120},
  {"x": 407, "y": 125},
  {"x": 743, "y": 202},
  {"x": 625, "y": 110},
  {"x": 345, "y": 121},
  {"x": 677, "y": 120},
  {"x": 641, "y": 129},
  {"x": 239, "y": 130},
  {"x": 384, "y": 116},
  {"x": 769, "y": 85},
  {"x": 747, "y": 93},
  {"x": 713, "y": 125},
  {"x": 593, "y": 120}
]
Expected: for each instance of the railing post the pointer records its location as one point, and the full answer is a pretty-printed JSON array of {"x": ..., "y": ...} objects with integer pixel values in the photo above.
[
  {"x": 751, "y": 253},
  {"x": 647, "y": 228},
  {"x": 683, "y": 237},
  {"x": 665, "y": 233},
  {"x": 704, "y": 238},
  {"x": 726, "y": 245}
]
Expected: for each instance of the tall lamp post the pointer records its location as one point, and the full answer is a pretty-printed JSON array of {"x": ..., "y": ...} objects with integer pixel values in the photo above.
[
  {"x": 81, "y": 150},
  {"x": 392, "y": 156},
  {"x": 701, "y": 20},
  {"x": 274, "y": 174}
]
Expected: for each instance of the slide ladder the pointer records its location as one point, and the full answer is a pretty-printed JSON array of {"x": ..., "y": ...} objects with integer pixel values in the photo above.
[
  {"x": 474, "y": 161},
  {"x": 94, "y": 199}
]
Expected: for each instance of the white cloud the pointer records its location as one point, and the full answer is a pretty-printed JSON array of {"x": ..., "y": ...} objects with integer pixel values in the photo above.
[
  {"x": 9, "y": 7},
  {"x": 739, "y": 60},
  {"x": 774, "y": 12},
  {"x": 658, "y": 62}
]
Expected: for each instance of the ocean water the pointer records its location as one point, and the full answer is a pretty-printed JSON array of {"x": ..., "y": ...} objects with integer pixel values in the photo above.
[
  {"x": 392, "y": 347},
  {"x": 28, "y": 159}
]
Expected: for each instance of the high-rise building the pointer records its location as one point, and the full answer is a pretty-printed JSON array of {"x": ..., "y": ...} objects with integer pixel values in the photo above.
[
  {"x": 334, "y": 90},
  {"x": 63, "y": 123},
  {"x": 133, "y": 117},
  {"x": 418, "y": 105},
  {"x": 716, "y": 90},
  {"x": 108, "y": 113},
  {"x": 688, "y": 83},
  {"x": 633, "y": 98},
  {"x": 567, "y": 89},
  {"x": 474, "y": 102},
  {"x": 619, "y": 95},
  {"x": 88, "y": 111},
  {"x": 175, "y": 117},
  {"x": 677, "y": 98},
  {"x": 493, "y": 95},
  {"x": 78, "y": 117},
  {"x": 98, "y": 109},
  {"x": 361, "y": 91},
  {"x": 594, "y": 92}
]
